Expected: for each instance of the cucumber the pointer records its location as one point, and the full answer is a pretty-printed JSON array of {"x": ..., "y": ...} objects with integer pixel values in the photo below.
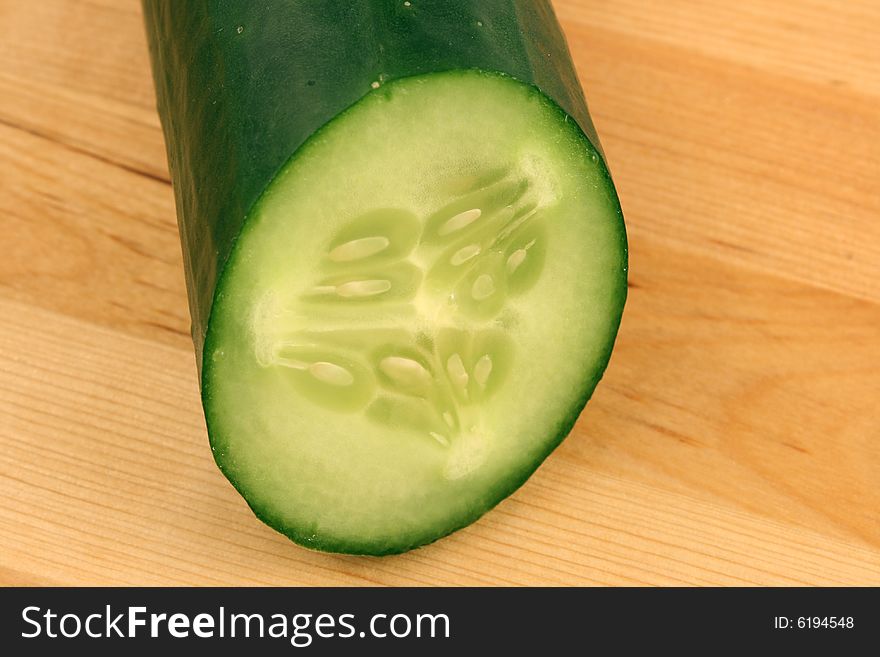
[{"x": 405, "y": 258}]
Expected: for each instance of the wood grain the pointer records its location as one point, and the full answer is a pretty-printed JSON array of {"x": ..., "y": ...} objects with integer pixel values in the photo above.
[{"x": 735, "y": 439}]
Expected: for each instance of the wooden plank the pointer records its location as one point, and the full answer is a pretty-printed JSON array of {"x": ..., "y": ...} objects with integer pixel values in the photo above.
[
  {"x": 769, "y": 385},
  {"x": 79, "y": 74},
  {"x": 760, "y": 170},
  {"x": 112, "y": 482},
  {"x": 94, "y": 47},
  {"x": 89, "y": 238},
  {"x": 769, "y": 172},
  {"x": 822, "y": 41},
  {"x": 733, "y": 441}
]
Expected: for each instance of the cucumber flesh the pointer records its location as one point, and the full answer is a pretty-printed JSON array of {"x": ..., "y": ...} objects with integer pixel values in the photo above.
[{"x": 414, "y": 313}]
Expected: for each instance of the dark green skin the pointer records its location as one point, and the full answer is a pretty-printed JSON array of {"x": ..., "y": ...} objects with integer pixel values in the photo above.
[{"x": 241, "y": 85}]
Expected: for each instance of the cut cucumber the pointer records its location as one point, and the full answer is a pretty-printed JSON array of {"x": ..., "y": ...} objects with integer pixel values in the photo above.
[{"x": 422, "y": 299}]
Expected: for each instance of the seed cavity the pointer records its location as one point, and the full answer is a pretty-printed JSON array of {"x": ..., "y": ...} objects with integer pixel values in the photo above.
[
  {"x": 457, "y": 374},
  {"x": 464, "y": 254},
  {"x": 359, "y": 249},
  {"x": 483, "y": 287},
  {"x": 356, "y": 289},
  {"x": 459, "y": 221},
  {"x": 330, "y": 373},
  {"x": 405, "y": 371},
  {"x": 415, "y": 365},
  {"x": 482, "y": 370}
]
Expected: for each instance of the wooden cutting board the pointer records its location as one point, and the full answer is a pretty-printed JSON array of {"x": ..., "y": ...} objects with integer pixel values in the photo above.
[{"x": 734, "y": 440}]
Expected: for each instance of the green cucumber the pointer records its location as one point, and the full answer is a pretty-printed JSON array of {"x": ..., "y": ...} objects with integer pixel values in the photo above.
[{"x": 405, "y": 257}]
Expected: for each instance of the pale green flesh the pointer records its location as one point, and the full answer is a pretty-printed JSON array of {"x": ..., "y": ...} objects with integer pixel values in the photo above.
[{"x": 419, "y": 303}]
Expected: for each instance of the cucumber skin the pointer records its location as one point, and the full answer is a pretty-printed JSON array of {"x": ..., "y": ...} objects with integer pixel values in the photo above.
[{"x": 241, "y": 86}]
